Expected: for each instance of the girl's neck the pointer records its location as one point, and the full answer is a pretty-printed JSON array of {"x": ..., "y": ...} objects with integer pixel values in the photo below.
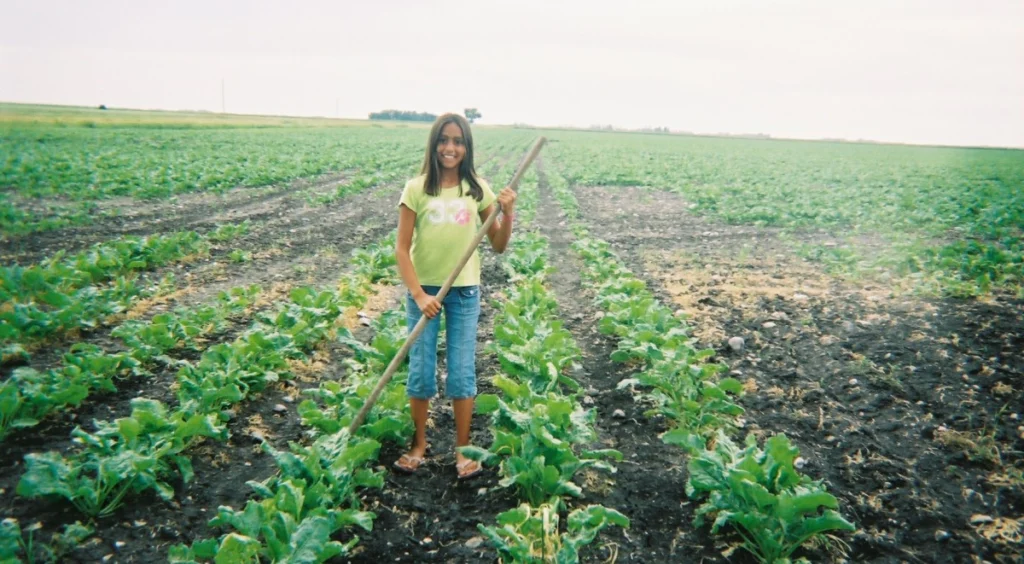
[{"x": 450, "y": 178}]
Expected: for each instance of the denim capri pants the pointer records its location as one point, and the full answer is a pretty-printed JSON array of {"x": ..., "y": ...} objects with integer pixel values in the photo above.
[{"x": 461, "y": 309}]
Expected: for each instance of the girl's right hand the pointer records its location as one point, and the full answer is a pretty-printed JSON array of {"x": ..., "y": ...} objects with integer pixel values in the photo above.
[{"x": 428, "y": 304}]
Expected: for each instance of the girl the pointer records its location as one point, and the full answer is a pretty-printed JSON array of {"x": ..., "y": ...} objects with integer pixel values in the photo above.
[{"x": 437, "y": 219}]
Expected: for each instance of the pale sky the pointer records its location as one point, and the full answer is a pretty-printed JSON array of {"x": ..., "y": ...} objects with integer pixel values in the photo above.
[{"x": 918, "y": 71}]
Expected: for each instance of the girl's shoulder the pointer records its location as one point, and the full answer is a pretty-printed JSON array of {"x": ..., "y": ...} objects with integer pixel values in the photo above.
[{"x": 416, "y": 182}]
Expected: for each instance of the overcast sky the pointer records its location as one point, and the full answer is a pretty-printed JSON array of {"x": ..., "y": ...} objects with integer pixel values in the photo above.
[{"x": 922, "y": 71}]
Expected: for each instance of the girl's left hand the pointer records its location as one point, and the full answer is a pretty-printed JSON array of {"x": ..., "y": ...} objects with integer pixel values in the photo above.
[{"x": 507, "y": 200}]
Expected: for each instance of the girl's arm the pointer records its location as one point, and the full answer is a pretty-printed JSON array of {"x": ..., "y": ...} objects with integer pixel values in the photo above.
[
  {"x": 501, "y": 230},
  {"x": 406, "y": 223}
]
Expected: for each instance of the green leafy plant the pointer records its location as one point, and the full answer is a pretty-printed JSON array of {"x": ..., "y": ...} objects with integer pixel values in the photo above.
[
  {"x": 66, "y": 293},
  {"x": 531, "y": 534},
  {"x": 133, "y": 453},
  {"x": 239, "y": 255},
  {"x": 533, "y": 441},
  {"x": 228, "y": 231},
  {"x": 762, "y": 496},
  {"x": 529, "y": 343},
  {"x": 21, "y": 545},
  {"x": 313, "y": 496},
  {"x": 686, "y": 391},
  {"x": 30, "y": 395},
  {"x": 377, "y": 262}
]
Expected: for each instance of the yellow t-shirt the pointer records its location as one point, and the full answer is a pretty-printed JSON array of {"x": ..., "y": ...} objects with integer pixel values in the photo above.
[{"x": 445, "y": 226}]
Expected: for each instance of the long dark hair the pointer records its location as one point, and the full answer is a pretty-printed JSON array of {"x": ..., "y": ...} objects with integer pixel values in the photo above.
[{"x": 432, "y": 167}]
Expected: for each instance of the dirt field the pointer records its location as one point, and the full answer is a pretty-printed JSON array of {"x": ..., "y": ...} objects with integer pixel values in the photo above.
[{"x": 910, "y": 410}]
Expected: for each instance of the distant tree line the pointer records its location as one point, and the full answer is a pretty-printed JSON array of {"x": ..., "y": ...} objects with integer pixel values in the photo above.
[{"x": 401, "y": 115}]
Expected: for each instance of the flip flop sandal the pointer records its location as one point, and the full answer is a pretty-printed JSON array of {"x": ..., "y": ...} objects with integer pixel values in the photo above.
[
  {"x": 463, "y": 469},
  {"x": 408, "y": 464}
]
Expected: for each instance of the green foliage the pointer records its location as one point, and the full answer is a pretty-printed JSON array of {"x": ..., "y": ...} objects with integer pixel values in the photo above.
[
  {"x": 530, "y": 259},
  {"x": 238, "y": 299},
  {"x": 974, "y": 267},
  {"x": 131, "y": 454},
  {"x": 313, "y": 496},
  {"x": 376, "y": 263},
  {"x": 239, "y": 256},
  {"x": 683, "y": 386},
  {"x": 20, "y": 545},
  {"x": 388, "y": 171},
  {"x": 82, "y": 164},
  {"x": 534, "y": 437},
  {"x": 531, "y": 534},
  {"x": 540, "y": 435},
  {"x": 315, "y": 492},
  {"x": 79, "y": 292},
  {"x": 690, "y": 395},
  {"x": 181, "y": 329},
  {"x": 228, "y": 231},
  {"x": 762, "y": 495},
  {"x": 227, "y": 373},
  {"x": 966, "y": 200},
  {"x": 530, "y": 343},
  {"x": 335, "y": 404},
  {"x": 759, "y": 493},
  {"x": 29, "y": 395}
]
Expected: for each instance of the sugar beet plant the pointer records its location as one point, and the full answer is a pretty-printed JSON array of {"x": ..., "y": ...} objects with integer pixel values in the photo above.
[
  {"x": 759, "y": 493},
  {"x": 29, "y": 395},
  {"x": 540, "y": 434},
  {"x": 313, "y": 495},
  {"x": 21, "y": 544},
  {"x": 533, "y": 534}
]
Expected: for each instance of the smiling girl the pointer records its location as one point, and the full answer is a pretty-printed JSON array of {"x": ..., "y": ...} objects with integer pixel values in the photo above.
[{"x": 438, "y": 215}]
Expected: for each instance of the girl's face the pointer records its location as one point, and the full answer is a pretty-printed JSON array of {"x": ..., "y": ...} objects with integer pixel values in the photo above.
[{"x": 451, "y": 147}]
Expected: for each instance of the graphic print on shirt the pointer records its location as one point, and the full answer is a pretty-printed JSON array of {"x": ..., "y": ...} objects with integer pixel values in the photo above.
[{"x": 451, "y": 211}]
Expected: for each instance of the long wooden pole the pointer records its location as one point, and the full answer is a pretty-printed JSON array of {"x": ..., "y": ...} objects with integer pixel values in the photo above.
[{"x": 422, "y": 323}]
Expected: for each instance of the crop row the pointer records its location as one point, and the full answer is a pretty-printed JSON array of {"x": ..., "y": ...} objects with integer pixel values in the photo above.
[
  {"x": 757, "y": 492},
  {"x": 147, "y": 449},
  {"x": 951, "y": 217},
  {"x": 62, "y": 294},
  {"x": 540, "y": 431},
  {"x": 30, "y": 395},
  {"x": 83, "y": 164}
]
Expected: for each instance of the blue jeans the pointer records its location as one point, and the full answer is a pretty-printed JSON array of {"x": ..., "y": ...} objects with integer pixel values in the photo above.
[{"x": 461, "y": 312}]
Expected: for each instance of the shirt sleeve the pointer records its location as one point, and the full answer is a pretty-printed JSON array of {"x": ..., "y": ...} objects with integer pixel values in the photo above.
[
  {"x": 488, "y": 198},
  {"x": 411, "y": 196}
]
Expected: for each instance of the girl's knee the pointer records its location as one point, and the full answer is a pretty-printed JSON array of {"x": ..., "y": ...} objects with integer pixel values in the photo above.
[{"x": 461, "y": 386}]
